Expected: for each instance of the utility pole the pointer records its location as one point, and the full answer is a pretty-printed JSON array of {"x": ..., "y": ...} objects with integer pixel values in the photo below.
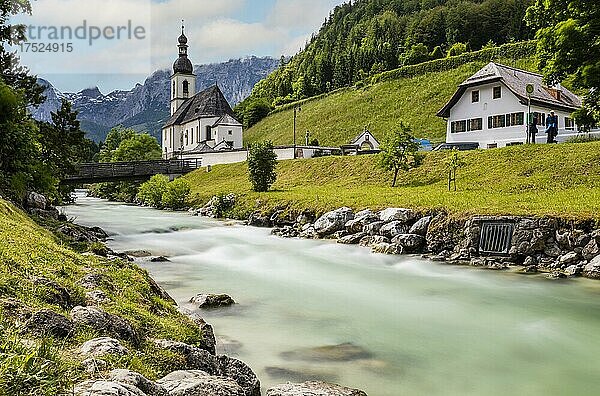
[
  {"x": 297, "y": 109},
  {"x": 529, "y": 90}
]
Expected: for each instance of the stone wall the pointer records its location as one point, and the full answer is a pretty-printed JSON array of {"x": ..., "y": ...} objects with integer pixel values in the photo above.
[{"x": 558, "y": 247}]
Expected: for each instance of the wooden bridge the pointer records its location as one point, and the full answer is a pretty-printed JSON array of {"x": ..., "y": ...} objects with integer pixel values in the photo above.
[{"x": 97, "y": 172}]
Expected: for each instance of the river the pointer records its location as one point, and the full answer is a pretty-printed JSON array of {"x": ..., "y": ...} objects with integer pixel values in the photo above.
[{"x": 423, "y": 328}]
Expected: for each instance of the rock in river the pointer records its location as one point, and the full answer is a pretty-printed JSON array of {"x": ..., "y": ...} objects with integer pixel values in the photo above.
[
  {"x": 313, "y": 388},
  {"x": 212, "y": 300},
  {"x": 335, "y": 353}
]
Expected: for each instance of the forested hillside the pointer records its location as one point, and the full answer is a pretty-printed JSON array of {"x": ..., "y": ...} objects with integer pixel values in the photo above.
[{"x": 367, "y": 37}]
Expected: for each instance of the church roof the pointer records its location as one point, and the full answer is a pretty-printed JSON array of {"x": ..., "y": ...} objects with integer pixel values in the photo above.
[
  {"x": 205, "y": 104},
  {"x": 202, "y": 148},
  {"x": 226, "y": 119},
  {"x": 516, "y": 80}
]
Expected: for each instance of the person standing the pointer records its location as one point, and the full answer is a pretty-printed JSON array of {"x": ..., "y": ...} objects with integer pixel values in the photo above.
[
  {"x": 533, "y": 129},
  {"x": 552, "y": 127}
]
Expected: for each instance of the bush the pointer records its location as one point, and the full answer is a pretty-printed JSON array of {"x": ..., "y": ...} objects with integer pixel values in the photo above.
[
  {"x": 176, "y": 194},
  {"x": 584, "y": 138},
  {"x": 520, "y": 50},
  {"x": 262, "y": 162},
  {"x": 457, "y": 49},
  {"x": 151, "y": 192}
]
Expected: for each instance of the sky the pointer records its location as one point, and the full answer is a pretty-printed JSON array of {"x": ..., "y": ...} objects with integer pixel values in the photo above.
[{"x": 114, "y": 44}]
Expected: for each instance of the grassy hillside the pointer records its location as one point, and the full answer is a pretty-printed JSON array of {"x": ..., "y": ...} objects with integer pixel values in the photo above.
[
  {"x": 339, "y": 117},
  {"x": 560, "y": 180},
  {"x": 39, "y": 271}
]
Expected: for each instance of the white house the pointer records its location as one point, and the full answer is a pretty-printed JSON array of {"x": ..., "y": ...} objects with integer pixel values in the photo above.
[
  {"x": 490, "y": 108},
  {"x": 200, "y": 122}
]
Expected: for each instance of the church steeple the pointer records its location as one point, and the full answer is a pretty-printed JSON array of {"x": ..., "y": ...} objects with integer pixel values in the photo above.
[{"x": 183, "y": 81}]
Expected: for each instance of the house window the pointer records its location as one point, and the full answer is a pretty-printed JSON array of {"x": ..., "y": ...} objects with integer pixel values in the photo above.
[
  {"x": 497, "y": 121},
  {"x": 474, "y": 96},
  {"x": 540, "y": 117},
  {"x": 492, "y": 145},
  {"x": 497, "y": 93},
  {"x": 458, "y": 126},
  {"x": 475, "y": 124},
  {"x": 569, "y": 123},
  {"x": 208, "y": 133},
  {"x": 515, "y": 119}
]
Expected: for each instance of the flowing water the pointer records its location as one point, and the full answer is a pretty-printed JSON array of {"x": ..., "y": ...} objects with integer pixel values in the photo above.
[{"x": 415, "y": 327}]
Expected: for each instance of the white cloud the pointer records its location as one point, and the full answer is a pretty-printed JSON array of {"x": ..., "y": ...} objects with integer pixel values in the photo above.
[{"x": 217, "y": 30}]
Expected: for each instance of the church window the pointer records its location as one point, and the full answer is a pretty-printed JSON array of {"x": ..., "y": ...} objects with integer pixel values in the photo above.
[
  {"x": 197, "y": 133},
  {"x": 186, "y": 89},
  {"x": 230, "y": 132},
  {"x": 173, "y": 90},
  {"x": 208, "y": 133}
]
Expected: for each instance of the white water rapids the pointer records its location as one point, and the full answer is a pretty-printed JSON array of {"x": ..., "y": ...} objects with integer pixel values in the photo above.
[{"x": 425, "y": 328}]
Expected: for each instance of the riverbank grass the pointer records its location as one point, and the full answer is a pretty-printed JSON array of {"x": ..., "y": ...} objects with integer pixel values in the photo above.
[
  {"x": 39, "y": 271},
  {"x": 546, "y": 180}
]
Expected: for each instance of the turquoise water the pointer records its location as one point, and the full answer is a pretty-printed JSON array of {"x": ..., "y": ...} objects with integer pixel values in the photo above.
[{"x": 431, "y": 329}]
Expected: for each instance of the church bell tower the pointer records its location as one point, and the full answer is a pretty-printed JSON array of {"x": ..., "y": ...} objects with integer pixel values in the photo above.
[{"x": 183, "y": 81}]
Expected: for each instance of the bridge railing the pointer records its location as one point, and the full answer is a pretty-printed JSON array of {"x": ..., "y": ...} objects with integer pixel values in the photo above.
[{"x": 122, "y": 170}]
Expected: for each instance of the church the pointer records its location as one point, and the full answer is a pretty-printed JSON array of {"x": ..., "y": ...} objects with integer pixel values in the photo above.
[{"x": 200, "y": 122}]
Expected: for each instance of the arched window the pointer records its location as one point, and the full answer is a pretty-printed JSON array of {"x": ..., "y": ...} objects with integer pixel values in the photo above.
[
  {"x": 173, "y": 89},
  {"x": 186, "y": 89}
]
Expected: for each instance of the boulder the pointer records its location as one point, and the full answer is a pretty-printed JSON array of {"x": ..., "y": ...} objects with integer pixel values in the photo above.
[
  {"x": 199, "y": 383},
  {"x": 333, "y": 221},
  {"x": 240, "y": 373},
  {"x": 96, "y": 297},
  {"x": 569, "y": 258},
  {"x": 591, "y": 250},
  {"x": 53, "y": 292},
  {"x": 212, "y": 300},
  {"x": 209, "y": 341},
  {"x": 91, "y": 281},
  {"x": 106, "y": 388},
  {"x": 96, "y": 318},
  {"x": 386, "y": 248},
  {"x": 313, "y": 388},
  {"x": 410, "y": 243},
  {"x": 46, "y": 323},
  {"x": 361, "y": 219},
  {"x": 573, "y": 270},
  {"x": 592, "y": 270},
  {"x": 491, "y": 263},
  {"x": 138, "y": 253},
  {"x": 138, "y": 381},
  {"x": 159, "y": 259},
  {"x": 368, "y": 241},
  {"x": 36, "y": 201},
  {"x": 103, "y": 346},
  {"x": 397, "y": 214},
  {"x": 195, "y": 358},
  {"x": 373, "y": 228},
  {"x": 396, "y": 227},
  {"x": 353, "y": 239},
  {"x": 259, "y": 219},
  {"x": 421, "y": 226}
]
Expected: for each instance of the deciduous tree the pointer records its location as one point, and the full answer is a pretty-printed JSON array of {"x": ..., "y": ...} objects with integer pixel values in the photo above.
[{"x": 400, "y": 151}]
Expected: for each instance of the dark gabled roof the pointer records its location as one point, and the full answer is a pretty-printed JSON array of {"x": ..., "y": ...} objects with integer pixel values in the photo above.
[
  {"x": 228, "y": 120},
  {"x": 516, "y": 81},
  {"x": 205, "y": 104},
  {"x": 200, "y": 149}
]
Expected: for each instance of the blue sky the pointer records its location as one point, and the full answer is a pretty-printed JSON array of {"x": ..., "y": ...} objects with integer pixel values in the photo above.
[{"x": 218, "y": 30}]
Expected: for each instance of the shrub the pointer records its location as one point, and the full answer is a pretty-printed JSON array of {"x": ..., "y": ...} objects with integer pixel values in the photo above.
[
  {"x": 176, "y": 194},
  {"x": 457, "y": 49},
  {"x": 151, "y": 192},
  {"x": 262, "y": 162}
]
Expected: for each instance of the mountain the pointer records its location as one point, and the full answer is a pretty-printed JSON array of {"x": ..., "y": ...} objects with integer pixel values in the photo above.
[{"x": 145, "y": 107}]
